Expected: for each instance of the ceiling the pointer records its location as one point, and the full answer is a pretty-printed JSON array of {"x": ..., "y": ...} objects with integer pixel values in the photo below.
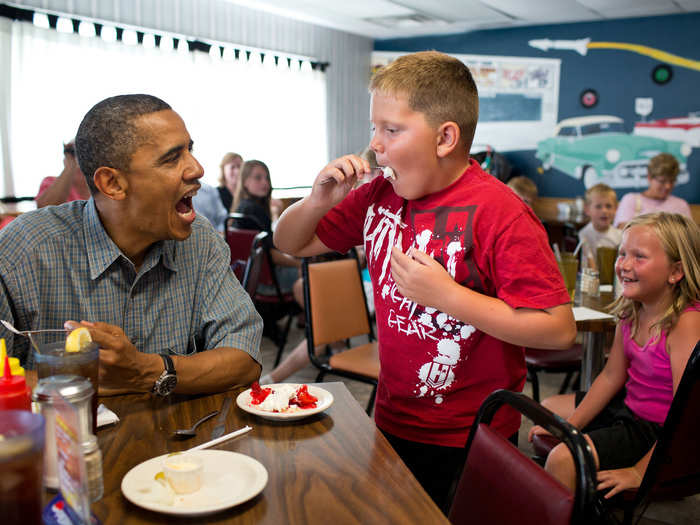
[{"x": 379, "y": 19}]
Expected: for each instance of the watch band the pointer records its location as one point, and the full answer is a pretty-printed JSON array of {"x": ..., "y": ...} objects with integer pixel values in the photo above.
[
  {"x": 168, "y": 362},
  {"x": 167, "y": 381}
]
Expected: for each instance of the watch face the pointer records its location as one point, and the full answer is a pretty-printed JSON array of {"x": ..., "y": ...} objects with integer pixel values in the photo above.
[{"x": 166, "y": 385}]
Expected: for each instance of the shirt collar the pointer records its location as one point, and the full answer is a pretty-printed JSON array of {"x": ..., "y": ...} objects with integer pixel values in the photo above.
[{"x": 102, "y": 251}]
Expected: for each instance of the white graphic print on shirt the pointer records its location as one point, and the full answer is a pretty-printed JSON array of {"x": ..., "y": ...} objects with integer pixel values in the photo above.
[{"x": 445, "y": 235}]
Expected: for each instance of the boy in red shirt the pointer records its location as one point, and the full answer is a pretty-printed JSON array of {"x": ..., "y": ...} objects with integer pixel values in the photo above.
[{"x": 462, "y": 273}]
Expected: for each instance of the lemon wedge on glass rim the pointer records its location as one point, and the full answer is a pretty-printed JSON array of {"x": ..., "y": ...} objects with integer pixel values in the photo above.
[{"x": 78, "y": 339}]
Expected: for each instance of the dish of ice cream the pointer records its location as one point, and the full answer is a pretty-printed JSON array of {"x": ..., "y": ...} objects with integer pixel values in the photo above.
[{"x": 286, "y": 401}]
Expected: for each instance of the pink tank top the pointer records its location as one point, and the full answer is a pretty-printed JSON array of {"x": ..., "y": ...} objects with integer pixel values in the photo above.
[{"x": 650, "y": 382}]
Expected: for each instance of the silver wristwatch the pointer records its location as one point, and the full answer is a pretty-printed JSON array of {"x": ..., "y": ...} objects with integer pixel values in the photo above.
[{"x": 167, "y": 381}]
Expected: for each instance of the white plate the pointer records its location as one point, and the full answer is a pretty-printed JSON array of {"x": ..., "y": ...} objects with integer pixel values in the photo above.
[
  {"x": 230, "y": 478},
  {"x": 325, "y": 399}
]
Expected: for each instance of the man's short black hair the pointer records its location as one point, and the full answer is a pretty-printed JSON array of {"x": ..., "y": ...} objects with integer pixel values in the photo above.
[{"x": 107, "y": 135}]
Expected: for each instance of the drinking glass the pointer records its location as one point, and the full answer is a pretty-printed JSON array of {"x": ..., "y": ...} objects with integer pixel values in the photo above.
[
  {"x": 21, "y": 465},
  {"x": 568, "y": 266},
  {"x": 52, "y": 359},
  {"x": 606, "y": 264}
]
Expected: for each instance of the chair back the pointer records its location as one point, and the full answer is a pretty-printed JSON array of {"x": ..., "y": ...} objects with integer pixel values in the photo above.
[
  {"x": 255, "y": 263},
  {"x": 674, "y": 467},
  {"x": 240, "y": 241},
  {"x": 336, "y": 300},
  {"x": 501, "y": 485}
]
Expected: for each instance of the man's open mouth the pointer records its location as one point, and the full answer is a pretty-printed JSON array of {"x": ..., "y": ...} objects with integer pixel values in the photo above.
[{"x": 184, "y": 205}]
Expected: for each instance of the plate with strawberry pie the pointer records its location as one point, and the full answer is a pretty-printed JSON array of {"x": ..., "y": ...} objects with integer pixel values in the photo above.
[{"x": 284, "y": 401}]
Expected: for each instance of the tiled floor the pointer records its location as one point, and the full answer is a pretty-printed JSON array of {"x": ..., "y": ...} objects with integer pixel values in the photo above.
[{"x": 678, "y": 513}]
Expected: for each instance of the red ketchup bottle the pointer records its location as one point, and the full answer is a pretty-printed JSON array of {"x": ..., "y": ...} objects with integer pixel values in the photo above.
[{"x": 14, "y": 392}]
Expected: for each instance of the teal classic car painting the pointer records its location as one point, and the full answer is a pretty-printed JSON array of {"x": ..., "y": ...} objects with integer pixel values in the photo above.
[{"x": 597, "y": 149}]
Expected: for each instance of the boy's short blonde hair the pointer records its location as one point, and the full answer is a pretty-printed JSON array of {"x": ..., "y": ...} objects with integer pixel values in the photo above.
[
  {"x": 523, "y": 186},
  {"x": 664, "y": 165},
  {"x": 602, "y": 190},
  {"x": 437, "y": 85}
]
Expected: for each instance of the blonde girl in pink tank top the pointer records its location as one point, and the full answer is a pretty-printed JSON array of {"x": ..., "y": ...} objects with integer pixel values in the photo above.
[{"x": 658, "y": 326}]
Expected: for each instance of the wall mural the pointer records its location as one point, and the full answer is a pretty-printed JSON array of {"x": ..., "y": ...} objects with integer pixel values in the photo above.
[{"x": 596, "y": 148}]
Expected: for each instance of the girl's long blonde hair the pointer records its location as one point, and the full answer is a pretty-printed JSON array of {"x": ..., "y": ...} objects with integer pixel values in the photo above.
[{"x": 680, "y": 238}]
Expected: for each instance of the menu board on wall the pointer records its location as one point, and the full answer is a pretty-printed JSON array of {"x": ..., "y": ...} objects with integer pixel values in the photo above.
[{"x": 518, "y": 98}]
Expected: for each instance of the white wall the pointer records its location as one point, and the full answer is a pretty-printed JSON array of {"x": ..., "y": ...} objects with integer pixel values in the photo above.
[{"x": 348, "y": 55}]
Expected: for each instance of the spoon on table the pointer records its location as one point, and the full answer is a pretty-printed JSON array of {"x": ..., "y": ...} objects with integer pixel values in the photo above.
[{"x": 186, "y": 433}]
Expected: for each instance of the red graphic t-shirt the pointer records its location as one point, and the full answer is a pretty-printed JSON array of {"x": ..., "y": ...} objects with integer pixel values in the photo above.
[{"x": 436, "y": 370}]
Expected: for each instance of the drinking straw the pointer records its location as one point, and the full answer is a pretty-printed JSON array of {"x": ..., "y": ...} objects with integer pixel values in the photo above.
[
  {"x": 578, "y": 247},
  {"x": 223, "y": 438},
  {"x": 557, "y": 253}
]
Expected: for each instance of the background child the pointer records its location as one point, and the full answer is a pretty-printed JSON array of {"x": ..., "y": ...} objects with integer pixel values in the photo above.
[
  {"x": 659, "y": 324},
  {"x": 462, "y": 273},
  {"x": 525, "y": 188},
  {"x": 600, "y": 205},
  {"x": 662, "y": 173}
]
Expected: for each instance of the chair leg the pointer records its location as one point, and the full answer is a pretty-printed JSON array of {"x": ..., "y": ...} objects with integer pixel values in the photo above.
[
  {"x": 532, "y": 376},
  {"x": 566, "y": 382},
  {"x": 319, "y": 377},
  {"x": 282, "y": 339},
  {"x": 370, "y": 404}
]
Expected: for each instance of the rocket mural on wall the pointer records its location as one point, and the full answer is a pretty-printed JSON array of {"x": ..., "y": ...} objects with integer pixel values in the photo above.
[{"x": 582, "y": 45}]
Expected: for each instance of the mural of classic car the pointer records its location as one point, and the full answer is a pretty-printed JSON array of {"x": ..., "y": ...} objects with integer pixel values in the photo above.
[
  {"x": 684, "y": 129},
  {"x": 597, "y": 149}
]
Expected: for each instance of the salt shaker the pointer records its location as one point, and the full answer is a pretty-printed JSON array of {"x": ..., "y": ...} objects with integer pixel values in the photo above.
[
  {"x": 78, "y": 392},
  {"x": 93, "y": 467}
]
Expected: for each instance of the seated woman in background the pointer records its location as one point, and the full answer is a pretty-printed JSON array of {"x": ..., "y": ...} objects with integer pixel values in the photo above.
[
  {"x": 252, "y": 198},
  {"x": 215, "y": 203},
  {"x": 70, "y": 185},
  {"x": 661, "y": 173}
]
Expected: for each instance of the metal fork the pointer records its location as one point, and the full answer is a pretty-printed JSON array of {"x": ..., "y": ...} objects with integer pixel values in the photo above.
[{"x": 373, "y": 170}]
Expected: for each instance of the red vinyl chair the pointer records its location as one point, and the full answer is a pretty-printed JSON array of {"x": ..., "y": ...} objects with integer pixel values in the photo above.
[
  {"x": 553, "y": 361},
  {"x": 501, "y": 485},
  {"x": 272, "y": 308}
]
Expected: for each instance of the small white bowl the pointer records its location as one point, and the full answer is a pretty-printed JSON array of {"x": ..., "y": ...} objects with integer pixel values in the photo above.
[{"x": 183, "y": 472}]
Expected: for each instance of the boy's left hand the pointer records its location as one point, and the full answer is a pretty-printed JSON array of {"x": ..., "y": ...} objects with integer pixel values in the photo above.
[
  {"x": 618, "y": 480},
  {"x": 419, "y": 277}
]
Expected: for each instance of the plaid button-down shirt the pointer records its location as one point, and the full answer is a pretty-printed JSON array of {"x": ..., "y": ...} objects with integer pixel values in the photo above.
[{"x": 58, "y": 263}]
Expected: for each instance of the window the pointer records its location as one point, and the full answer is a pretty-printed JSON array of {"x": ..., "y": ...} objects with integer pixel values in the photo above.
[{"x": 274, "y": 113}]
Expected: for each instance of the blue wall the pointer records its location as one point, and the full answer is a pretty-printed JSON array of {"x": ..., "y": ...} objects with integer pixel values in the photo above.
[{"x": 618, "y": 77}]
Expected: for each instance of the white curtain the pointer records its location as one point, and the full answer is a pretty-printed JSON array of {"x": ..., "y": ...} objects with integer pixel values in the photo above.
[{"x": 276, "y": 114}]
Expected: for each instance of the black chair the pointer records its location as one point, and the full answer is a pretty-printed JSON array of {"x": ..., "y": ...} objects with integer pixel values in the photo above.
[
  {"x": 674, "y": 468},
  {"x": 502, "y": 486},
  {"x": 254, "y": 264},
  {"x": 336, "y": 310}
]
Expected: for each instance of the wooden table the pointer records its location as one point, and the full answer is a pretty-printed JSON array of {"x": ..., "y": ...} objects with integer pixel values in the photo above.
[
  {"x": 594, "y": 338},
  {"x": 334, "y": 467}
]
